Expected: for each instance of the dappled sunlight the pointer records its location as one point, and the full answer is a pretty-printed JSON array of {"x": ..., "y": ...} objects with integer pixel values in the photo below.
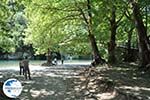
[
  {"x": 135, "y": 88},
  {"x": 122, "y": 69},
  {"x": 47, "y": 83},
  {"x": 116, "y": 83},
  {"x": 106, "y": 96},
  {"x": 42, "y": 92},
  {"x": 129, "y": 80},
  {"x": 81, "y": 83},
  {"x": 56, "y": 72},
  {"x": 50, "y": 84}
]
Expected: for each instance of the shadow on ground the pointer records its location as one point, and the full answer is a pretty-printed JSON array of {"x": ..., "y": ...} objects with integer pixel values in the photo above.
[
  {"x": 119, "y": 82},
  {"x": 129, "y": 80},
  {"x": 54, "y": 83}
]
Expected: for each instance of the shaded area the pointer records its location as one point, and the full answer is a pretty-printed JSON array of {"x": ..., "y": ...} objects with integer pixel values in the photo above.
[
  {"x": 75, "y": 82},
  {"x": 129, "y": 80},
  {"x": 51, "y": 83},
  {"x": 120, "y": 82}
]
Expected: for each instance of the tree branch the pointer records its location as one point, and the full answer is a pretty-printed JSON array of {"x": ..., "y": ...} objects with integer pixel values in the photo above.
[
  {"x": 118, "y": 21},
  {"x": 128, "y": 15},
  {"x": 82, "y": 13}
]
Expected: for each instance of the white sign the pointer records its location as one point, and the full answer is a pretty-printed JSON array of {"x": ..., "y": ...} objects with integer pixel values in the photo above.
[{"x": 12, "y": 88}]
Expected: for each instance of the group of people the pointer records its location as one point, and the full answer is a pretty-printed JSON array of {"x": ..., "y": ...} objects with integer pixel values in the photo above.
[{"x": 24, "y": 66}]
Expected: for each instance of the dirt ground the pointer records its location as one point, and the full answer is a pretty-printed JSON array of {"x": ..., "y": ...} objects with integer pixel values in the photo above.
[
  {"x": 47, "y": 83},
  {"x": 119, "y": 82}
]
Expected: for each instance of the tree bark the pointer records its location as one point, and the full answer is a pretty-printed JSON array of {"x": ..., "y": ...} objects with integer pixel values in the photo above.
[
  {"x": 144, "y": 50},
  {"x": 49, "y": 58},
  {"x": 129, "y": 56},
  {"x": 97, "y": 57},
  {"x": 112, "y": 42}
]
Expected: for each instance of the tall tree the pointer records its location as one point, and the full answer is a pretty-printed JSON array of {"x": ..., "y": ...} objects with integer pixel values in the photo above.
[
  {"x": 129, "y": 28},
  {"x": 88, "y": 21},
  {"x": 114, "y": 24},
  {"x": 12, "y": 25},
  {"x": 6, "y": 41},
  {"x": 63, "y": 22},
  {"x": 144, "y": 48}
]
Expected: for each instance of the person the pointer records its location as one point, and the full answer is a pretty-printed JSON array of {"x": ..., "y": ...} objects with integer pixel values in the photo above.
[
  {"x": 55, "y": 61},
  {"x": 62, "y": 60},
  {"x": 26, "y": 68},
  {"x": 21, "y": 66}
]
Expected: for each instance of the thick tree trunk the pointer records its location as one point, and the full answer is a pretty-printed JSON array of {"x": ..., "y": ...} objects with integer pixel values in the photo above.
[
  {"x": 88, "y": 20},
  {"x": 97, "y": 56},
  {"x": 49, "y": 58},
  {"x": 142, "y": 34},
  {"x": 112, "y": 42}
]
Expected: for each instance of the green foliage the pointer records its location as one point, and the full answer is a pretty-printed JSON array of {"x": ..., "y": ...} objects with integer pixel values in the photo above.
[
  {"x": 5, "y": 41},
  {"x": 12, "y": 24},
  {"x": 58, "y": 25}
]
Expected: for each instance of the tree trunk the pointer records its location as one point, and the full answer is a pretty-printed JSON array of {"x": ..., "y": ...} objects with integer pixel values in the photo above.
[
  {"x": 49, "y": 58},
  {"x": 97, "y": 56},
  {"x": 129, "y": 56},
  {"x": 144, "y": 51},
  {"x": 112, "y": 42},
  {"x": 88, "y": 20}
]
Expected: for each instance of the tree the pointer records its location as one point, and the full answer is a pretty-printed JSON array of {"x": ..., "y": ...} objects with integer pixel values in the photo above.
[
  {"x": 12, "y": 26},
  {"x": 66, "y": 26},
  {"x": 88, "y": 21},
  {"x": 109, "y": 23},
  {"x": 129, "y": 29},
  {"x": 6, "y": 43},
  {"x": 61, "y": 21},
  {"x": 144, "y": 48},
  {"x": 114, "y": 20}
]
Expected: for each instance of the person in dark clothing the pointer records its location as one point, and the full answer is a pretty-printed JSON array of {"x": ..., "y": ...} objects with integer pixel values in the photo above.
[
  {"x": 21, "y": 67},
  {"x": 25, "y": 64},
  {"x": 62, "y": 59}
]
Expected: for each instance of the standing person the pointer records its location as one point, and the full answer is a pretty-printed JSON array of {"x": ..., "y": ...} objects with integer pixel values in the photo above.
[
  {"x": 26, "y": 67},
  {"x": 55, "y": 61},
  {"x": 62, "y": 59},
  {"x": 21, "y": 66}
]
